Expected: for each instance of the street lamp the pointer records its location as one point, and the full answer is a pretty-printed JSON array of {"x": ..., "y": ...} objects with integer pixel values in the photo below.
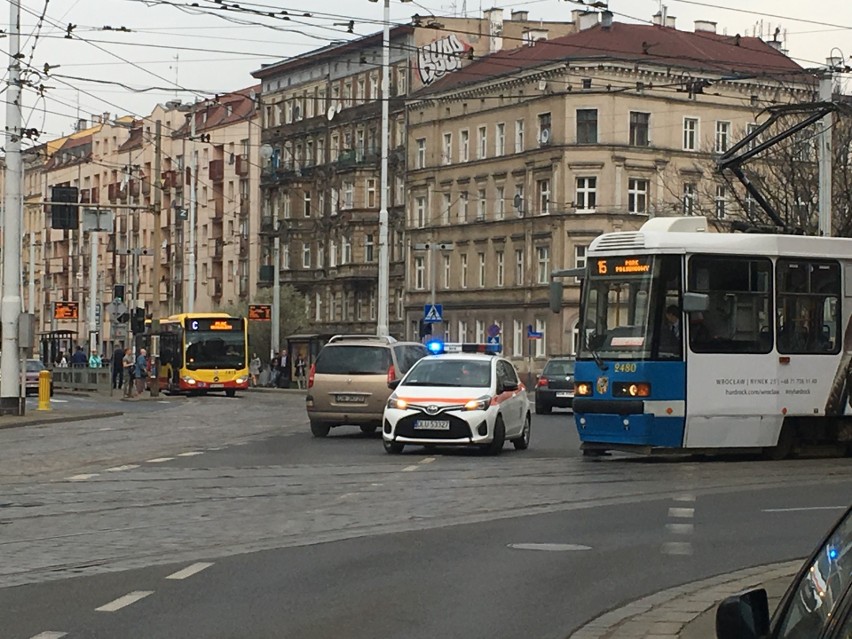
[
  {"x": 266, "y": 152},
  {"x": 382, "y": 326}
]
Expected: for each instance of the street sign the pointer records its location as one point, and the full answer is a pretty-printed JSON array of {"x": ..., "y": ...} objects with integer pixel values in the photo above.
[
  {"x": 260, "y": 312},
  {"x": 493, "y": 339},
  {"x": 116, "y": 307},
  {"x": 66, "y": 310},
  {"x": 531, "y": 334},
  {"x": 493, "y": 331},
  {"x": 98, "y": 316},
  {"x": 433, "y": 313}
]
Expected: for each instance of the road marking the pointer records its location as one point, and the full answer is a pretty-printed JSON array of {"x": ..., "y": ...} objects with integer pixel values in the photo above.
[
  {"x": 682, "y": 513},
  {"x": 680, "y": 529},
  {"x": 216, "y": 448},
  {"x": 118, "y": 469},
  {"x": 191, "y": 453},
  {"x": 58, "y": 401},
  {"x": 550, "y": 547},
  {"x": 125, "y": 601},
  {"x": 804, "y": 508},
  {"x": 677, "y": 548},
  {"x": 345, "y": 496},
  {"x": 49, "y": 634},
  {"x": 684, "y": 498},
  {"x": 189, "y": 570},
  {"x": 83, "y": 477},
  {"x": 428, "y": 460},
  {"x": 105, "y": 428},
  {"x": 408, "y": 469},
  {"x": 159, "y": 460},
  {"x": 163, "y": 401}
]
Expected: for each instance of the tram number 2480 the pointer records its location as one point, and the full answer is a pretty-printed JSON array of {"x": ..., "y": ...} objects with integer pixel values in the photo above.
[{"x": 626, "y": 367}]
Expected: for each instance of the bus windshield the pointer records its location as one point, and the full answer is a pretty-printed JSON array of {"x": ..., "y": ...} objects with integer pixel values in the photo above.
[
  {"x": 215, "y": 344},
  {"x": 631, "y": 308}
]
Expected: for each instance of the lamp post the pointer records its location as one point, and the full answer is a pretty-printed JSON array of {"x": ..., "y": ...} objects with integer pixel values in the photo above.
[{"x": 382, "y": 326}]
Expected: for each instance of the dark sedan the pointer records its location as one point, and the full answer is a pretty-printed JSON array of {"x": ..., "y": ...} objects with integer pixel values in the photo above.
[{"x": 555, "y": 386}]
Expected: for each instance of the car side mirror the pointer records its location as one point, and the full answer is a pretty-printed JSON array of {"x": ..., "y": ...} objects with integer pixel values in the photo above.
[
  {"x": 393, "y": 384},
  {"x": 743, "y": 616},
  {"x": 510, "y": 386}
]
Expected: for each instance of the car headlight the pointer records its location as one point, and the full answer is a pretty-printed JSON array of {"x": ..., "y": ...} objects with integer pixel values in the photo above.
[
  {"x": 188, "y": 379},
  {"x": 396, "y": 402},
  {"x": 480, "y": 403}
]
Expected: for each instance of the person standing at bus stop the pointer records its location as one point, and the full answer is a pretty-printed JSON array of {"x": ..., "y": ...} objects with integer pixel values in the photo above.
[
  {"x": 301, "y": 368},
  {"x": 140, "y": 371},
  {"x": 117, "y": 368},
  {"x": 129, "y": 363}
]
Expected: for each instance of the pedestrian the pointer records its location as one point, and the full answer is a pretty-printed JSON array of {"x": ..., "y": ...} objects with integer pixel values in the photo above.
[
  {"x": 117, "y": 368},
  {"x": 128, "y": 362},
  {"x": 140, "y": 371},
  {"x": 61, "y": 361},
  {"x": 95, "y": 360},
  {"x": 283, "y": 380},
  {"x": 254, "y": 369},
  {"x": 301, "y": 368},
  {"x": 273, "y": 371},
  {"x": 78, "y": 359}
]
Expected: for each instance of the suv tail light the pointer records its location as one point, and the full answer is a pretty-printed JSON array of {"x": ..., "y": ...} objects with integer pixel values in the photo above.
[
  {"x": 542, "y": 381},
  {"x": 391, "y": 374},
  {"x": 311, "y": 375}
]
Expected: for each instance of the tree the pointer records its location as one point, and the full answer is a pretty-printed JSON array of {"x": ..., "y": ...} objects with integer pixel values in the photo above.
[{"x": 293, "y": 317}]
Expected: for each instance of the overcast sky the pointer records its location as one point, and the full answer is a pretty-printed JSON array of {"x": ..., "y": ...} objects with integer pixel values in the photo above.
[{"x": 185, "y": 53}]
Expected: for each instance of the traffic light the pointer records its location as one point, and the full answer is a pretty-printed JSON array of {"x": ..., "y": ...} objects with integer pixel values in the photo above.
[
  {"x": 137, "y": 321},
  {"x": 425, "y": 328},
  {"x": 118, "y": 292},
  {"x": 64, "y": 213}
]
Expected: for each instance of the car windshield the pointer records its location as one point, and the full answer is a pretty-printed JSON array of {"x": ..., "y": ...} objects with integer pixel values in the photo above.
[
  {"x": 34, "y": 366},
  {"x": 559, "y": 367},
  {"x": 450, "y": 372},
  {"x": 353, "y": 360}
]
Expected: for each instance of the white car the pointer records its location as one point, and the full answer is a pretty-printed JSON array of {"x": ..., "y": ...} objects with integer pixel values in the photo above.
[{"x": 458, "y": 400}]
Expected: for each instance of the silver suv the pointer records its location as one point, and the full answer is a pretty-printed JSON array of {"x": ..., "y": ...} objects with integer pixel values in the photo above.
[{"x": 348, "y": 383}]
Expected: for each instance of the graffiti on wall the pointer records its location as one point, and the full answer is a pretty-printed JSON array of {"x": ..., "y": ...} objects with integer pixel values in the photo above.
[{"x": 441, "y": 57}]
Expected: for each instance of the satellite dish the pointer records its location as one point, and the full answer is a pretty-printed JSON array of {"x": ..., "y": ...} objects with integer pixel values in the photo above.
[
  {"x": 519, "y": 204},
  {"x": 332, "y": 111},
  {"x": 545, "y": 136},
  {"x": 339, "y": 107}
]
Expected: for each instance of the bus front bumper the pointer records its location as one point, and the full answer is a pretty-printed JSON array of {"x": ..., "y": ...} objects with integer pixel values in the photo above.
[{"x": 188, "y": 384}]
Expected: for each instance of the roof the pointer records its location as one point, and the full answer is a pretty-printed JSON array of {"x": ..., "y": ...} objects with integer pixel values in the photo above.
[
  {"x": 649, "y": 44},
  {"x": 224, "y": 109}
]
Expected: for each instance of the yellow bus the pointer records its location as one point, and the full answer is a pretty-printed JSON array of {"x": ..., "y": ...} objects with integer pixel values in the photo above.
[{"x": 202, "y": 352}]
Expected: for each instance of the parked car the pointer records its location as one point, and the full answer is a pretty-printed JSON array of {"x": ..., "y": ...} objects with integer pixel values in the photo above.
[
  {"x": 555, "y": 386},
  {"x": 34, "y": 367},
  {"x": 817, "y": 605},
  {"x": 348, "y": 383},
  {"x": 458, "y": 400}
]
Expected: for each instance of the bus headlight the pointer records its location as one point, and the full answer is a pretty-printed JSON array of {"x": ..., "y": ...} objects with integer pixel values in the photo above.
[
  {"x": 583, "y": 389},
  {"x": 241, "y": 380},
  {"x": 631, "y": 389},
  {"x": 188, "y": 380}
]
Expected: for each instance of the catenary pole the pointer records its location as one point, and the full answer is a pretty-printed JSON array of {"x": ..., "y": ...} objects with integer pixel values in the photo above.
[
  {"x": 192, "y": 213},
  {"x": 825, "y": 87},
  {"x": 382, "y": 328}
]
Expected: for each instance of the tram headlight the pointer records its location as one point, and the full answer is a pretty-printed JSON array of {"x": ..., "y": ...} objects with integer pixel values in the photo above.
[
  {"x": 583, "y": 389},
  {"x": 631, "y": 389}
]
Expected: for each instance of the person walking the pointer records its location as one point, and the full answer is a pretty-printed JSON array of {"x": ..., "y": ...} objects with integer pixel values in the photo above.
[
  {"x": 140, "y": 370},
  {"x": 128, "y": 362},
  {"x": 117, "y": 368},
  {"x": 283, "y": 370},
  {"x": 254, "y": 369},
  {"x": 301, "y": 368}
]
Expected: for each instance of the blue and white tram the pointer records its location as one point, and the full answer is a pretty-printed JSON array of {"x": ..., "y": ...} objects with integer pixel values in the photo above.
[{"x": 698, "y": 341}]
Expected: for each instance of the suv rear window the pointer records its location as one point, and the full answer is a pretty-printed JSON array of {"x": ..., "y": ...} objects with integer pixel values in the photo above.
[
  {"x": 559, "y": 367},
  {"x": 353, "y": 360}
]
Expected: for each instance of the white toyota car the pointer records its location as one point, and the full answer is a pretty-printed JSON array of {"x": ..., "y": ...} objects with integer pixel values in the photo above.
[{"x": 465, "y": 399}]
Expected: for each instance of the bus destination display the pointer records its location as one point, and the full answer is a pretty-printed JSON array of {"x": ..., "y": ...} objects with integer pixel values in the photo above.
[
  {"x": 618, "y": 266},
  {"x": 66, "y": 310},
  {"x": 214, "y": 324}
]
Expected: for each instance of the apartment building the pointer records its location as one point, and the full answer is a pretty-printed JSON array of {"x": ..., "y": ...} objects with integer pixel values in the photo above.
[
  {"x": 113, "y": 164},
  {"x": 321, "y": 119},
  {"x": 526, "y": 156}
]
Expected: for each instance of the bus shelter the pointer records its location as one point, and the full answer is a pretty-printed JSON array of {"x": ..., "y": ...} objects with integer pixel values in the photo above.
[{"x": 54, "y": 344}]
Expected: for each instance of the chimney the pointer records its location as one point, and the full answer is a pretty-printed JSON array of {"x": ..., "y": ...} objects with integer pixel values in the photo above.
[
  {"x": 531, "y": 36},
  {"x": 606, "y": 19},
  {"x": 775, "y": 44},
  {"x": 495, "y": 29},
  {"x": 520, "y": 16},
  {"x": 705, "y": 25},
  {"x": 670, "y": 21},
  {"x": 588, "y": 19},
  {"x": 81, "y": 124},
  {"x": 657, "y": 18}
]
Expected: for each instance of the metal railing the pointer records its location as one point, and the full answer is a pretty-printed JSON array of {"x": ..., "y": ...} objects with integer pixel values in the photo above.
[{"x": 97, "y": 380}]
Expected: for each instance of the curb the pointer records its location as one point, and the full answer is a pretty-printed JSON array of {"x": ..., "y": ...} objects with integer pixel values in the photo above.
[
  {"x": 666, "y": 613},
  {"x": 149, "y": 398},
  {"x": 60, "y": 419},
  {"x": 263, "y": 389}
]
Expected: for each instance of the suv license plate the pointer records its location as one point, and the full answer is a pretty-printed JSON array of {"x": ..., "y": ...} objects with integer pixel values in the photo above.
[
  {"x": 350, "y": 399},
  {"x": 432, "y": 424}
]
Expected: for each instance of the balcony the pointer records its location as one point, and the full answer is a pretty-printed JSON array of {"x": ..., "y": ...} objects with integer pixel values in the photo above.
[
  {"x": 357, "y": 271},
  {"x": 217, "y": 288},
  {"x": 243, "y": 285},
  {"x": 244, "y": 245},
  {"x": 242, "y": 167},
  {"x": 218, "y": 211},
  {"x": 245, "y": 206},
  {"x": 112, "y": 192},
  {"x": 170, "y": 179},
  {"x": 217, "y": 170},
  {"x": 266, "y": 224}
]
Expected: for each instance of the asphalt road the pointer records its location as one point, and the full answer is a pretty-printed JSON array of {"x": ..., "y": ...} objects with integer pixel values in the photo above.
[{"x": 287, "y": 536}]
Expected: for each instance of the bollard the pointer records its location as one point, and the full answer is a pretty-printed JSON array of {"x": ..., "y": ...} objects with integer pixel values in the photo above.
[{"x": 44, "y": 390}]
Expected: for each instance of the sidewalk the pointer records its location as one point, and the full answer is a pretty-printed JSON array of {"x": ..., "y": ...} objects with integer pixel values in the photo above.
[
  {"x": 688, "y": 611},
  {"x": 54, "y": 416}
]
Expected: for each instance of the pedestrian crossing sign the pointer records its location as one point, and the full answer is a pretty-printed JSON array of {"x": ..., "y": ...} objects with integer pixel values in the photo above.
[{"x": 433, "y": 313}]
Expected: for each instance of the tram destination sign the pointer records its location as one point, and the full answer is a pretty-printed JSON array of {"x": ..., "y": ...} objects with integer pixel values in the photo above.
[
  {"x": 620, "y": 266},
  {"x": 66, "y": 310}
]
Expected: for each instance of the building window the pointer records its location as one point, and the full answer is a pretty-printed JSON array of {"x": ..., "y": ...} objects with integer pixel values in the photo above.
[
  {"x": 463, "y": 206},
  {"x": 689, "y": 198},
  {"x": 332, "y": 254},
  {"x": 462, "y": 331},
  {"x": 285, "y": 258},
  {"x": 541, "y": 344},
  {"x": 518, "y": 200},
  {"x": 371, "y": 193},
  {"x": 543, "y": 196},
  {"x": 400, "y": 190},
  {"x": 307, "y": 201},
  {"x": 543, "y": 260},
  {"x": 519, "y": 136},
  {"x": 586, "y": 193},
  {"x": 374, "y": 86},
  {"x": 501, "y": 267},
  {"x": 639, "y": 125},
  {"x": 345, "y": 250},
  {"x": 447, "y": 155},
  {"x": 446, "y": 259},
  {"x": 361, "y": 90},
  {"x": 580, "y": 258},
  {"x": 306, "y": 255},
  {"x": 419, "y": 273},
  {"x": 500, "y": 204},
  {"x": 544, "y": 130},
  {"x": 463, "y": 271},
  {"x": 401, "y": 80},
  {"x": 637, "y": 195},
  {"x": 517, "y": 338},
  {"x": 723, "y": 136},
  {"x": 500, "y": 140},
  {"x": 721, "y": 201},
  {"x": 481, "y": 144},
  {"x": 481, "y": 206},
  {"x": 464, "y": 146},
  {"x": 369, "y": 244},
  {"x": 420, "y": 163},
  {"x": 587, "y": 126},
  {"x": 751, "y": 127},
  {"x": 481, "y": 270},
  {"x": 420, "y": 211},
  {"x": 447, "y": 209},
  {"x": 348, "y": 194},
  {"x": 690, "y": 134},
  {"x": 519, "y": 267}
]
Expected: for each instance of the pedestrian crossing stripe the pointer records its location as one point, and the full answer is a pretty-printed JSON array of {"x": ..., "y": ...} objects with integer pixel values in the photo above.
[{"x": 433, "y": 315}]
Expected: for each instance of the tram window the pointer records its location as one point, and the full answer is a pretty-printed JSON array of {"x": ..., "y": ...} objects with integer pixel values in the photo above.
[
  {"x": 738, "y": 317},
  {"x": 808, "y": 305}
]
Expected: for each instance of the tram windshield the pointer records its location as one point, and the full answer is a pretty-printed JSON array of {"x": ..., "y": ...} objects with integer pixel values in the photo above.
[{"x": 631, "y": 308}]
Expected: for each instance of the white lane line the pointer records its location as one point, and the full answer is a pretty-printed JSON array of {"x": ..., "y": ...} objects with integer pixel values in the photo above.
[
  {"x": 345, "y": 496},
  {"x": 802, "y": 509},
  {"x": 105, "y": 428},
  {"x": 408, "y": 469},
  {"x": 58, "y": 401},
  {"x": 49, "y": 634},
  {"x": 681, "y": 513},
  {"x": 83, "y": 477},
  {"x": 190, "y": 570},
  {"x": 191, "y": 453},
  {"x": 159, "y": 460},
  {"x": 124, "y": 601},
  {"x": 428, "y": 460},
  {"x": 118, "y": 469},
  {"x": 684, "y": 498},
  {"x": 680, "y": 529},
  {"x": 677, "y": 548}
]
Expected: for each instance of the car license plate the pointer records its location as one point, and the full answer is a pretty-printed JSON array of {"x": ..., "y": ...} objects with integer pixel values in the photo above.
[
  {"x": 564, "y": 394},
  {"x": 217, "y": 386},
  {"x": 432, "y": 424},
  {"x": 350, "y": 399}
]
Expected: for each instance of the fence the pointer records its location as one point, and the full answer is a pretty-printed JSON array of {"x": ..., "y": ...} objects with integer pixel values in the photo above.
[{"x": 98, "y": 380}]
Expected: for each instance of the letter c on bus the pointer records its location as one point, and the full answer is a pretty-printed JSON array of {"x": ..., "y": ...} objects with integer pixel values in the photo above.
[{"x": 194, "y": 325}]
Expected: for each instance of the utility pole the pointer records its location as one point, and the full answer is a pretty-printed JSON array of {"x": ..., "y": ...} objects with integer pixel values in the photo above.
[
  {"x": 10, "y": 303},
  {"x": 193, "y": 172},
  {"x": 93, "y": 290},
  {"x": 275, "y": 338},
  {"x": 382, "y": 326},
  {"x": 826, "y": 82},
  {"x": 157, "y": 204}
]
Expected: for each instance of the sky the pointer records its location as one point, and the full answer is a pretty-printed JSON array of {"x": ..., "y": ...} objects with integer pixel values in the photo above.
[{"x": 125, "y": 56}]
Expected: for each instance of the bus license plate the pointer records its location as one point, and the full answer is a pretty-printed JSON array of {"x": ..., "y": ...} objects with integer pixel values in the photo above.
[
  {"x": 350, "y": 399},
  {"x": 432, "y": 424},
  {"x": 217, "y": 386}
]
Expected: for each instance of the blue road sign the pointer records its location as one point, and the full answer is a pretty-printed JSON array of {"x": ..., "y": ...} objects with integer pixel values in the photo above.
[
  {"x": 494, "y": 339},
  {"x": 531, "y": 334},
  {"x": 433, "y": 313}
]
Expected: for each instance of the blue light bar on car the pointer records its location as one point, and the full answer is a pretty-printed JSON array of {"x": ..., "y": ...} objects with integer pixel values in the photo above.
[{"x": 472, "y": 348}]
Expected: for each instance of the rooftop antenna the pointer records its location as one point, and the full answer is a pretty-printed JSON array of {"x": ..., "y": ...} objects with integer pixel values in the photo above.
[{"x": 175, "y": 67}]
